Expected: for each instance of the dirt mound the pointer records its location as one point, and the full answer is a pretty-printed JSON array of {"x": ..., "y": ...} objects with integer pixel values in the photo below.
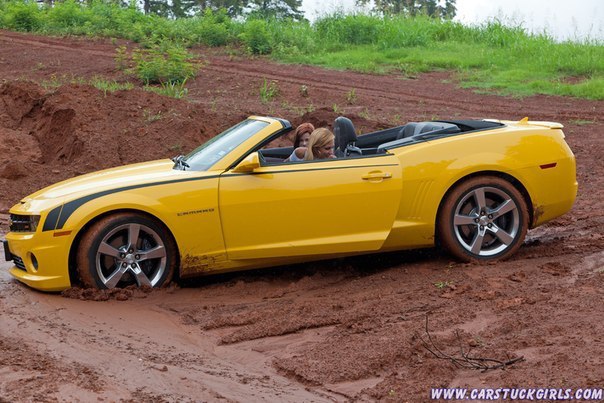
[{"x": 50, "y": 135}]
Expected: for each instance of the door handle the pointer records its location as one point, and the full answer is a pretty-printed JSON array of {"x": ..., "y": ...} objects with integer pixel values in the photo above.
[{"x": 376, "y": 175}]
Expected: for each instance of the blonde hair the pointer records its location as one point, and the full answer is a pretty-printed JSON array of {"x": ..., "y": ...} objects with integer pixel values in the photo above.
[{"x": 319, "y": 138}]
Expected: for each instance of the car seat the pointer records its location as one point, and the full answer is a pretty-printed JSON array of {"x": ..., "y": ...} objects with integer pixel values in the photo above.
[{"x": 346, "y": 137}]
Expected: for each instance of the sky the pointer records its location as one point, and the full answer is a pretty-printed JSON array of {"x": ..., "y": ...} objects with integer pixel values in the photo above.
[{"x": 562, "y": 19}]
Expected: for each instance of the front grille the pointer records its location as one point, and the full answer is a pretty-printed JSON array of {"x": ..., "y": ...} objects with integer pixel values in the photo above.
[
  {"x": 18, "y": 262},
  {"x": 20, "y": 223}
]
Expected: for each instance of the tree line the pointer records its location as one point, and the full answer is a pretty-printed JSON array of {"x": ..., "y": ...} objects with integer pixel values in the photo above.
[{"x": 444, "y": 9}]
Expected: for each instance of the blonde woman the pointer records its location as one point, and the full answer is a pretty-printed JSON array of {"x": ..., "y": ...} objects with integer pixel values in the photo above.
[{"x": 320, "y": 147}]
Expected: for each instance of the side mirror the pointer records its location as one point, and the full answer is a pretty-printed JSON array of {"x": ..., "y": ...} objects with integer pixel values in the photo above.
[{"x": 248, "y": 164}]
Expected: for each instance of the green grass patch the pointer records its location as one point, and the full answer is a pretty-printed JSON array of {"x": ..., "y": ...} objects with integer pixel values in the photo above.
[
  {"x": 110, "y": 86},
  {"x": 175, "y": 89}
]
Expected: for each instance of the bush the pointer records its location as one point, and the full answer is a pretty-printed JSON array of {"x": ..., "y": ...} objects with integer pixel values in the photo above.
[
  {"x": 349, "y": 29},
  {"x": 206, "y": 31},
  {"x": 70, "y": 17},
  {"x": 21, "y": 16},
  {"x": 256, "y": 38},
  {"x": 164, "y": 63}
]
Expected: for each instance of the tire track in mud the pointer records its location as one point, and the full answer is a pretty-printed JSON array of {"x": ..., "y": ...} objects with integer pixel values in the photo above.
[
  {"x": 334, "y": 81},
  {"x": 172, "y": 361},
  {"x": 12, "y": 37}
]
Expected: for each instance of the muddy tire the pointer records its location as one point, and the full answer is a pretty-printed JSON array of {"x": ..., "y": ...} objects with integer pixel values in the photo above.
[
  {"x": 483, "y": 219},
  {"x": 126, "y": 249}
]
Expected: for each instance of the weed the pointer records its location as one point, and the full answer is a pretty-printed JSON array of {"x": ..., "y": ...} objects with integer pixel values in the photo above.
[
  {"x": 151, "y": 117},
  {"x": 351, "y": 97},
  {"x": 175, "y": 147},
  {"x": 365, "y": 114},
  {"x": 175, "y": 90},
  {"x": 53, "y": 82},
  {"x": 443, "y": 284},
  {"x": 268, "y": 91},
  {"x": 121, "y": 58},
  {"x": 304, "y": 91},
  {"x": 109, "y": 86},
  {"x": 336, "y": 108},
  {"x": 581, "y": 122},
  {"x": 165, "y": 63},
  {"x": 408, "y": 70}
]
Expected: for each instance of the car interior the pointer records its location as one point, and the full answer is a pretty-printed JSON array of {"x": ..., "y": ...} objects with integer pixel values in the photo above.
[{"x": 349, "y": 145}]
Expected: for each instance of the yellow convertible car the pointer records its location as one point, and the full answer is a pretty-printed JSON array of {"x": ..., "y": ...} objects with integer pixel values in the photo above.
[{"x": 473, "y": 187}]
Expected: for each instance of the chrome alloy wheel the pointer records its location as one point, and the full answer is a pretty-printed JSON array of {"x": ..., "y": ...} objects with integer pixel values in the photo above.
[
  {"x": 486, "y": 221},
  {"x": 131, "y": 253}
]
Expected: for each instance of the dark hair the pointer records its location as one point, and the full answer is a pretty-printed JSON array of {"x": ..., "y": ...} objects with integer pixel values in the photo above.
[{"x": 300, "y": 130}]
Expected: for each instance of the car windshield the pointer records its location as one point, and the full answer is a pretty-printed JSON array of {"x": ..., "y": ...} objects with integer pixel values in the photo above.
[{"x": 206, "y": 155}]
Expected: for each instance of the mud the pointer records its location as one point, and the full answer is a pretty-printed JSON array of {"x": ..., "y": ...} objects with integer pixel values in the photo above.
[{"x": 340, "y": 330}]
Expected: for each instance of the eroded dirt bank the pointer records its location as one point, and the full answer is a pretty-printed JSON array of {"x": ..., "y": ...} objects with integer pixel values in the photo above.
[{"x": 338, "y": 330}]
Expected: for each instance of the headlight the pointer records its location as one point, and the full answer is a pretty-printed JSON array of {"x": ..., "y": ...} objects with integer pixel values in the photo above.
[{"x": 23, "y": 223}]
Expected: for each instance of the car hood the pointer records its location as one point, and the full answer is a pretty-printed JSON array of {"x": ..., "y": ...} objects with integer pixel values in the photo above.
[{"x": 83, "y": 185}]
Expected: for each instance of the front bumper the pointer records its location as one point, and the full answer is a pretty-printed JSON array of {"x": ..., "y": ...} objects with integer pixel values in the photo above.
[{"x": 41, "y": 260}]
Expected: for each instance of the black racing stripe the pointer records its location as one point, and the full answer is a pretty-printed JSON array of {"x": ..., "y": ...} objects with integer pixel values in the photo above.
[
  {"x": 51, "y": 219},
  {"x": 69, "y": 207}
]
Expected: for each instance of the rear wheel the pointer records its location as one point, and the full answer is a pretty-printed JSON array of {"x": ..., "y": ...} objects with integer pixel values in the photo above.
[
  {"x": 482, "y": 219},
  {"x": 126, "y": 249}
]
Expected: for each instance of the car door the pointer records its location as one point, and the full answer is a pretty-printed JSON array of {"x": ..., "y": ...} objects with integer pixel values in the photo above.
[{"x": 310, "y": 208}]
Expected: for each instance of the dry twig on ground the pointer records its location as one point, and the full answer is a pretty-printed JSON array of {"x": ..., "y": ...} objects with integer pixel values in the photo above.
[{"x": 464, "y": 360}]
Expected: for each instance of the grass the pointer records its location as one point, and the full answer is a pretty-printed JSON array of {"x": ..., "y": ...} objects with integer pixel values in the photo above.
[
  {"x": 491, "y": 57},
  {"x": 581, "y": 122},
  {"x": 151, "y": 117},
  {"x": 351, "y": 97},
  {"x": 170, "y": 89},
  {"x": 109, "y": 86},
  {"x": 268, "y": 91},
  {"x": 443, "y": 284}
]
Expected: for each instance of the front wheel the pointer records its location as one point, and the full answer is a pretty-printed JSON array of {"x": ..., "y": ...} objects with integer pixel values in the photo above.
[
  {"x": 126, "y": 249},
  {"x": 483, "y": 219}
]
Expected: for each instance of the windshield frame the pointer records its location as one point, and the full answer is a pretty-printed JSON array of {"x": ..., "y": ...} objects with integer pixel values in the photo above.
[{"x": 210, "y": 154}]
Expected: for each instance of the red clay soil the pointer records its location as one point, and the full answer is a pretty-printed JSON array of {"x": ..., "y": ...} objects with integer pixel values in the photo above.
[{"x": 348, "y": 329}]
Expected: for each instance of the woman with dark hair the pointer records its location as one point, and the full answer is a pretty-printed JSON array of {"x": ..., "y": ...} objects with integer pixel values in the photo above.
[{"x": 302, "y": 135}]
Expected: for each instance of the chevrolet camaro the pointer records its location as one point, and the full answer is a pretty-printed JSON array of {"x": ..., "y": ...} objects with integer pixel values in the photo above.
[{"x": 472, "y": 187}]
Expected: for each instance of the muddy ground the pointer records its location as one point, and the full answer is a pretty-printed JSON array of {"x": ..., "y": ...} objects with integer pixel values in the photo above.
[{"x": 341, "y": 330}]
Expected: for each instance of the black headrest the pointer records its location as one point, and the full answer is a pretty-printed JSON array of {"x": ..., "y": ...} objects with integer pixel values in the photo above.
[
  {"x": 407, "y": 131},
  {"x": 343, "y": 129}
]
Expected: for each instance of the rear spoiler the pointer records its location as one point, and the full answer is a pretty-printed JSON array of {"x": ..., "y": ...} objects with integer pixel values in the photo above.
[{"x": 525, "y": 121}]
